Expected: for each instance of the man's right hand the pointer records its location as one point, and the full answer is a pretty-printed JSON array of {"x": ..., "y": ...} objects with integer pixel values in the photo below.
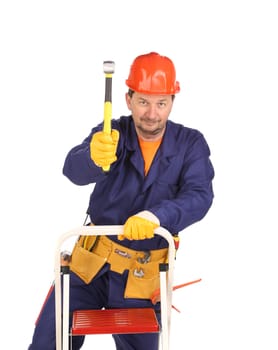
[{"x": 103, "y": 148}]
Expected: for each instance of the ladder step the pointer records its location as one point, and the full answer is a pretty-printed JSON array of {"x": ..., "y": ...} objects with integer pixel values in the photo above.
[{"x": 114, "y": 321}]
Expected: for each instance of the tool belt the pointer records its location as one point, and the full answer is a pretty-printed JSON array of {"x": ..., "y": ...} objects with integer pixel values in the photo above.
[{"x": 90, "y": 253}]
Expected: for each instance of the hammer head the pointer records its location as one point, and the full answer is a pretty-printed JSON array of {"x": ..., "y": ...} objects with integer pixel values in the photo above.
[{"x": 108, "y": 67}]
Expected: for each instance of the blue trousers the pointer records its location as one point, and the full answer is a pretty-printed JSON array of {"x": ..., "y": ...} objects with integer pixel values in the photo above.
[{"x": 105, "y": 290}]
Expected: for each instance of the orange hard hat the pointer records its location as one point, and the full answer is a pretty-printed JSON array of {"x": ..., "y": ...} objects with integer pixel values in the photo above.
[{"x": 153, "y": 74}]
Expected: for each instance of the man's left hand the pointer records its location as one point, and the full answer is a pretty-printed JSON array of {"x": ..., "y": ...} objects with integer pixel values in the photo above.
[{"x": 140, "y": 226}]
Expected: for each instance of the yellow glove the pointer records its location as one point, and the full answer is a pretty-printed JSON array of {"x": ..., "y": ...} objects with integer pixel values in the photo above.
[
  {"x": 140, "y": 226},
  {"x": 103, "y": 147}
]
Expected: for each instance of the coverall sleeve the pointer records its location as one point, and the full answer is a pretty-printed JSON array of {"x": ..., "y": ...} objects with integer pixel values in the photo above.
[
  {"x": 194, "y": 195},
  {"x": 79, "y": 167}
]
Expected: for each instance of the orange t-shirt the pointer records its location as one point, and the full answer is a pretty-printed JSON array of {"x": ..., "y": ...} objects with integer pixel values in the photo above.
[{"x": 148, "y": 149}]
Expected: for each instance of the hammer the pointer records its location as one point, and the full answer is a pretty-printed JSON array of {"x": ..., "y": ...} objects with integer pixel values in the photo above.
[{"x": 108, "y": 68}]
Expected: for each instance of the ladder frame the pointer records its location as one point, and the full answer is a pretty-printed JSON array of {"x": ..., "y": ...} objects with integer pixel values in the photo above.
[{"x": 166, "y": 283}]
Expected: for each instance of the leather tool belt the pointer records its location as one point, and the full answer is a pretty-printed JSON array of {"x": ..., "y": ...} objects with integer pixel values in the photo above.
[{"x": 90, "y": 253}]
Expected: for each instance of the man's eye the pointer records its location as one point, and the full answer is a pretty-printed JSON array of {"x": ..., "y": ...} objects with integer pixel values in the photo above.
[
  {"x": 142, "y": 102},
  {"x": 162, "y": 104}
]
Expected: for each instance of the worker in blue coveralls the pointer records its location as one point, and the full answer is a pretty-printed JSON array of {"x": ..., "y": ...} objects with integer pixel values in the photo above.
[{"x": 160, "y": 175}]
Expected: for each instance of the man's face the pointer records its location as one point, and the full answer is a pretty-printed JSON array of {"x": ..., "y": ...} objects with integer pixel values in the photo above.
[{"x": 150, "y": 114}]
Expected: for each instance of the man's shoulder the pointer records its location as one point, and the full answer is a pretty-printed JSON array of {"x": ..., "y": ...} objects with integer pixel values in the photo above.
[
  {"x": 180, "y": 129},
  {"x": 122, "y": 122}
]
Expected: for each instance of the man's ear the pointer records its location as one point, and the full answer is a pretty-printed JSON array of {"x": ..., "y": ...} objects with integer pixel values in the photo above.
[{"x": 128, "y": 101}]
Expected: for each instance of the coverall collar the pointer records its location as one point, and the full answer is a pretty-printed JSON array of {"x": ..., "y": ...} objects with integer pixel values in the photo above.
[{"x": 162, "y": 160}]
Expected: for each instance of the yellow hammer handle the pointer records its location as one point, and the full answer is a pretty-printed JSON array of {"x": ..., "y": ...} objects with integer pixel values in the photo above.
[{"x": 107, "y": 115}]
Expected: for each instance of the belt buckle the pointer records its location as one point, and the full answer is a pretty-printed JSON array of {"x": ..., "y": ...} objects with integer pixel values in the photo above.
[
  {"x": 142, "y": 260},
  {"x": 146, "y": 258}
]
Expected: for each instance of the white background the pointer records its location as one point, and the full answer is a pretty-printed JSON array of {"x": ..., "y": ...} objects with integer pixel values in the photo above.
[{"x": 52, "y": 93}]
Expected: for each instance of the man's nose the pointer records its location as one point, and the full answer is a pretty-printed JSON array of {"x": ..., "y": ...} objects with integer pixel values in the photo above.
[{"x": 152, "y": 111}]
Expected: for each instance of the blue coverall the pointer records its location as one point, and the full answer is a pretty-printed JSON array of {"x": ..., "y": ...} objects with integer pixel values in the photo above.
[{"x": 177, "y": 189}]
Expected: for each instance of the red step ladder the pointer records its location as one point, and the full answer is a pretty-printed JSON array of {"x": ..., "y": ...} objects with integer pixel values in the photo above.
[{"x": 113, "y": 321}]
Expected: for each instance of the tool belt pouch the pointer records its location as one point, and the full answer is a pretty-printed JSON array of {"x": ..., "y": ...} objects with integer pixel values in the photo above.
[
  {"x": 85, "y": 263},
  {"x": 143, "y": 280}
]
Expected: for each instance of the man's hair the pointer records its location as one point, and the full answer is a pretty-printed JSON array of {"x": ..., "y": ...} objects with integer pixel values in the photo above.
[{"x": 130, "y": 92}]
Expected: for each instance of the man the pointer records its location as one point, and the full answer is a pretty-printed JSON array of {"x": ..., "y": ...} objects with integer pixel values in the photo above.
[{"x": 159, "y": 174}]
